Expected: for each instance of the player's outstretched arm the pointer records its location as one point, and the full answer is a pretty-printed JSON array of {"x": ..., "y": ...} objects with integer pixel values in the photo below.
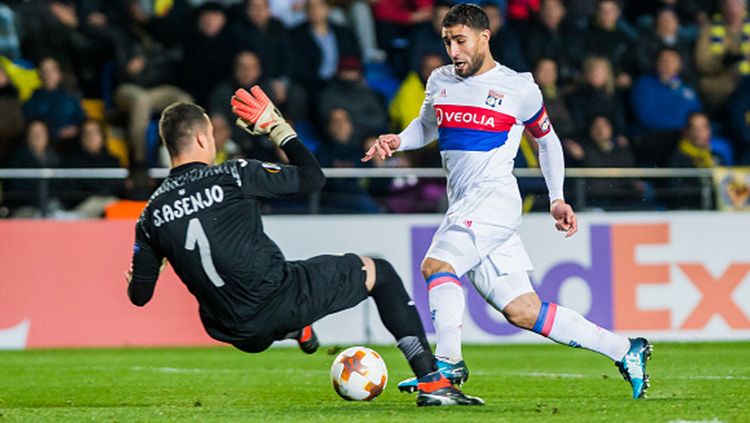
[
  {"x": 257, "y": 114},
  {"x": 416, "y": 135},
  {"x": 145, "y": 268},
  {"x": 565, "y": 217}
]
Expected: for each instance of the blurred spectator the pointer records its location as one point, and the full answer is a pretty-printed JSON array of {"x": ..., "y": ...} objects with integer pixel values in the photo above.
[
  {"x": 146, "y": 71},
  {"x": 579, "y": 12},
  {"x": 95, "y": 38},
  {"x": 395, "y": 21},
  {"x": 723, "y": 53},
  {"x": 598, "y": 96},
  {"x": 289, "y": 12},
  {"x": 605, "y": 149},
  {"x": 661, "y": 101},
  {"x": 665, "y": 33},
  {"x": 343, "y": 195},
  {"x": 256, "y": 30},
  {"x": 408, "y": 100},
  {"x": 318, "y": 45},
  {"x": 349, "y": 91},
  {"x": 689, "y": 12},
  {"x": 427, "y": 39},
  {"x": 505, "y": 44},
  {"x": 9, "y": 43},
  {"x": 357, "y": 15},
  {"x": 46, "y": 28},
  {"x": 693, "y": 151},
  {"x": 405, "y": 194},
  {"x": 36, "y": 152},
  {"x": 76, "y": 33},
  {"x": 59, "y": 109},
  {"x": 89, "y": 197},
  {"x": 228, "y": 4},
  {"x": 606, "y": 38},
  {"x": 247, "y": 72},
  {"x": 739, "y": 121},
  {"x": 209, "y": 51},
  {"x": 226, "y": 148},
  {"x": 11, "y": 117},
  {"x": 165, "y": 20},
  {"x": 555, "y": 97},
  {"x": 551, "y": 36}
]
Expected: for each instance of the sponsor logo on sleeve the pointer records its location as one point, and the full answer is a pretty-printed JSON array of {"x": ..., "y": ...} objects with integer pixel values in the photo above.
[{"x": 271, "y": 167}]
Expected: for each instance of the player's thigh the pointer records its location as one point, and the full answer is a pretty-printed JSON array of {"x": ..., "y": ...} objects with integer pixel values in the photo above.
[
  {"x": 323, "y": 285},
  {"x": 503, "y": 275},
  {"x": 456, "y": 246}
]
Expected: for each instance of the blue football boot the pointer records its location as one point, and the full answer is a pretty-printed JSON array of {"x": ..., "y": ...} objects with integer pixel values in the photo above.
[
  {"x": 456, "y": 373},
  {"x": 633, "y": 366}
]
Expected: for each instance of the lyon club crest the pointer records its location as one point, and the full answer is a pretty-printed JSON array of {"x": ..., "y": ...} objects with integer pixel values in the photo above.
[{"x": 494, "y": 98}]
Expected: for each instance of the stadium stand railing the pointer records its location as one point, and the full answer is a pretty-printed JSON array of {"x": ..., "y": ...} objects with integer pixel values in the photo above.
[{"x": 576, "y": 178}]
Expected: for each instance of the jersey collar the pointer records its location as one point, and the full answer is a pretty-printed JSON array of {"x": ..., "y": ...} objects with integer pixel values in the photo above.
[{"x": 186, "y": 167}]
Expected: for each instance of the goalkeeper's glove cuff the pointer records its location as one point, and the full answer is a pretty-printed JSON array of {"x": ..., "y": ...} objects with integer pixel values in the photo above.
[{"x": 279, "y": 134}]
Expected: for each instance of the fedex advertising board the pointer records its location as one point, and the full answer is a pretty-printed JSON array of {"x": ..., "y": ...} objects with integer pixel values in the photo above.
[{"x": 679, "y": 276}]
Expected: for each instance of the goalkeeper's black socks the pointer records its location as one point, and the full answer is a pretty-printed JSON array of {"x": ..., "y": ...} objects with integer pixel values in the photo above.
[{"x": 400, "y": 317}]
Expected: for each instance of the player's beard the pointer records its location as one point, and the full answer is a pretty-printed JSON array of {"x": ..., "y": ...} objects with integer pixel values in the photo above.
[{"x": 472, "y": 66}]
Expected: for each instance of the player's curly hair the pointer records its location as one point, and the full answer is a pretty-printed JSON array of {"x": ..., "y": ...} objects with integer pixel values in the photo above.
[
  {"x": 178, "y": 123},
  {"x": 467, "y": 14}
]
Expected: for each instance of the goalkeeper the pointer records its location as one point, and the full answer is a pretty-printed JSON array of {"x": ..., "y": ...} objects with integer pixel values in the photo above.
[{"x": 205, "y": 220}]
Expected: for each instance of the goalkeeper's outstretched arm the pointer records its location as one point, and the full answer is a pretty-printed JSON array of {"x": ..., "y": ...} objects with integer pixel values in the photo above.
[
  {"x": 257, "y": 115},
  {"x": 311, "y": 177}
]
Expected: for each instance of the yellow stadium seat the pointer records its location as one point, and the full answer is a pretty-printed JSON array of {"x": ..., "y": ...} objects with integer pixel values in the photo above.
[
  {"x": 93, "y": 108},
  {"x": 118, "y": 147}
]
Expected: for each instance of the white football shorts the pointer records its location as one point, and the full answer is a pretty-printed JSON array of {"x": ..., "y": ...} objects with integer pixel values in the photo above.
[{"x": 493, "y": 255}]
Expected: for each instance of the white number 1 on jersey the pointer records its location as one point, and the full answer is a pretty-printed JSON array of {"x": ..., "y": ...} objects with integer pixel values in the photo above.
[{"x": 197, "y": 236}]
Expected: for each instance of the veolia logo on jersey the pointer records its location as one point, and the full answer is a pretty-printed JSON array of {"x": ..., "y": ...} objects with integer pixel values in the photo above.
[{"x": 459, "y": 117}]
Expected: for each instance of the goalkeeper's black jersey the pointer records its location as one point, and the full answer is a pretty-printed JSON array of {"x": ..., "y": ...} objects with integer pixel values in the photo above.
[{"x": 205, "y": 220}]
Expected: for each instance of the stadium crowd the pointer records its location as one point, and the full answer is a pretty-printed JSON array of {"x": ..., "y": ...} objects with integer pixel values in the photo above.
[{"x": 626, "y": 83}]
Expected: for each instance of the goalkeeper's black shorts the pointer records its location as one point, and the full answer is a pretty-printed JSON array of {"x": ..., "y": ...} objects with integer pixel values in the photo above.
[{"x": 316, "y": 287}]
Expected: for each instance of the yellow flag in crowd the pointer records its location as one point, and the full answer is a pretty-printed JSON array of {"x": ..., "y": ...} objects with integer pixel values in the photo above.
[{"x": 26, "y": 80}]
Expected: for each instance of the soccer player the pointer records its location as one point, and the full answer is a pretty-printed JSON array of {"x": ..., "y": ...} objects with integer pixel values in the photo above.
[
  {"x": 478, "y": 111},
  {"x": 205, "y": 220}
]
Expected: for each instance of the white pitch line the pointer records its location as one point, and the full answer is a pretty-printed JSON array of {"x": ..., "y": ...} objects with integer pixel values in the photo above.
[
  {"x": 709, "y": 377},
  {"x": 582, "y": 376},
  {"x": 182, "y": 370},
  {"x": 193, "y": 370}
]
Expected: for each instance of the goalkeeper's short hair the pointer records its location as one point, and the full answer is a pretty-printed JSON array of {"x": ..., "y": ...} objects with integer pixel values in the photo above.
[{"x": 178, "y": 123}]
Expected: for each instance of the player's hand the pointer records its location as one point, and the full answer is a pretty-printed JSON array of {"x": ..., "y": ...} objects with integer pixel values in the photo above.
[
  {"x": 257, "y": 115},
  {"x": 384, "y": 146},
  {"x": 129, "y": 274},
  {"x": 565, "y": 218}
]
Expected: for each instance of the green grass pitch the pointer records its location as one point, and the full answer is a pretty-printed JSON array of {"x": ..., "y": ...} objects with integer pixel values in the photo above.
[{"x": 690, "y": 382}]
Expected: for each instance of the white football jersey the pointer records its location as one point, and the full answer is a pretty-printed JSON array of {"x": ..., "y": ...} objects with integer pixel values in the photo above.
[{"x": 480, "y": 120}]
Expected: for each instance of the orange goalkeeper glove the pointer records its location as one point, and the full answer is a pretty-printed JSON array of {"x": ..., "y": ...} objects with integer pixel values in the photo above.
[{"x": 257, "y": 115}]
